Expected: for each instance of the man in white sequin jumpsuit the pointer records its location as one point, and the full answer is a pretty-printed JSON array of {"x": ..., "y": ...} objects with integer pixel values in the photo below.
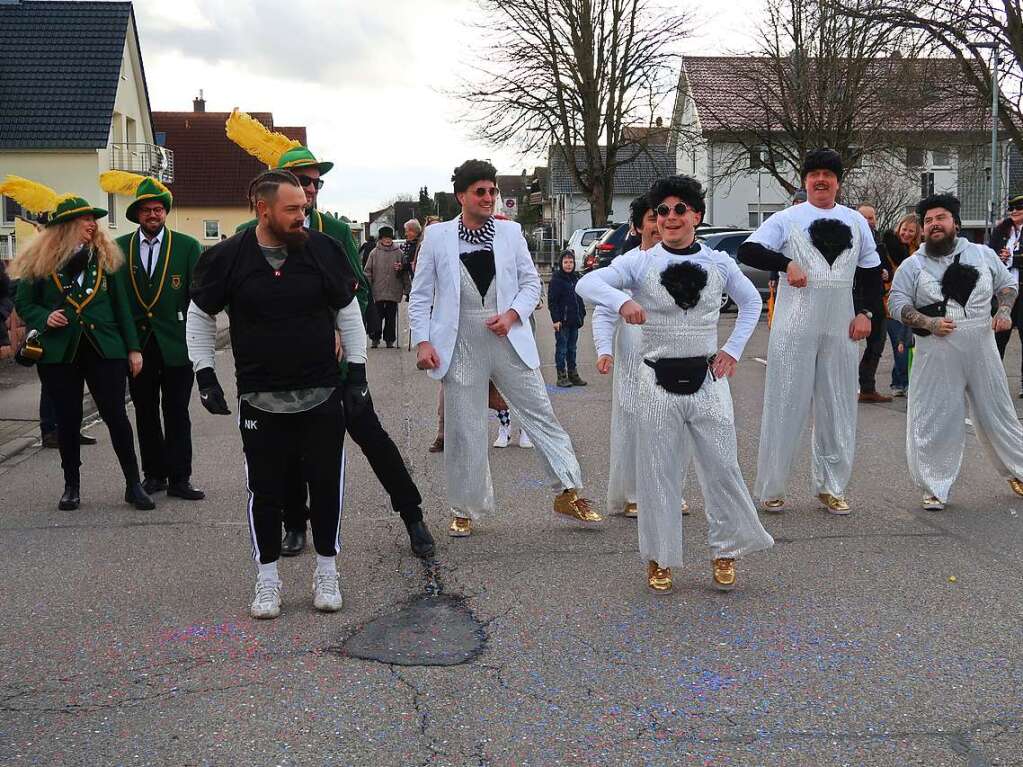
[
  {"x": 474, "y": 289},
  {"x": 945, "y": 290},
  {"x": 821, "y": 249},
  {"x": 683, "y": 402}
]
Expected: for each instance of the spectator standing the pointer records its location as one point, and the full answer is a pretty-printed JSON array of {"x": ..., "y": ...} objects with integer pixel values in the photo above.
[
  {"x": 366, "y": 248},
  {"x": 1007, "y": 241},
  {"x": 388, "y": 285},
  {"x": 6, "y": 305},
  {"x": 567, "y": 313},
  {"x": 410, "y": 248},
  {"x": 899, "y": 244},
  {"x": 875, "y": 341}
]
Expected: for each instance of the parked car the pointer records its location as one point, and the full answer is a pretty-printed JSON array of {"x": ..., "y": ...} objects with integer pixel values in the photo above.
[
  {"x": 603, "y": 251},
  {"x": 729, "y": 241},
  {"x": 582, "y": 238}
]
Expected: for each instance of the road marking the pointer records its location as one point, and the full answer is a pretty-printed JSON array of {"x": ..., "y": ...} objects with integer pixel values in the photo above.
[{"x": 761, "y": 360}]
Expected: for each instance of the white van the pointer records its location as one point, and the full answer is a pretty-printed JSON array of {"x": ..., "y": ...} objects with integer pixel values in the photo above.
[{"x": 581, "y": 239}]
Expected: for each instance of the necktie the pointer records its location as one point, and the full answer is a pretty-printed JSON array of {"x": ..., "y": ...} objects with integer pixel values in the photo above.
[{"x": 149, "y": 256}]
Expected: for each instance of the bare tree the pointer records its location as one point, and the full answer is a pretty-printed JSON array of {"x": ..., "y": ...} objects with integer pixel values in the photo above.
[
  {"x": 573, "y": 75},
  {"x": 955, "y": 28},
  {"x": 817, "y": 77}
]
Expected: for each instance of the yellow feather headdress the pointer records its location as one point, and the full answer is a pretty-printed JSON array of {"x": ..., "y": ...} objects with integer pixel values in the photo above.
[
  {"x": 122, "y": 182},
  {"x": 31, "y": 195},
  {"x": 254, "y": 137}
]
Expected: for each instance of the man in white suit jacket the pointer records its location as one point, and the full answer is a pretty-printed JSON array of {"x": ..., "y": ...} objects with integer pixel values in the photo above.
[{"x": 474, "y": 288}]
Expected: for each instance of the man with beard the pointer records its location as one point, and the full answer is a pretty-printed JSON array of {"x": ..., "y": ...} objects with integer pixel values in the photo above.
[
  {"x": 684, "y": 406},
  {"x": 944, "y": 292},
  {"x": 874, "y": 346},
  {"x": 365, "y": 429},
  {"x": 161, "y": 263},
  {"x": 820, "y": 248},
  {"x": 619, "y": 346},
  {"x": 474, "y": 289},
  {"x": 288, "y": 292}
]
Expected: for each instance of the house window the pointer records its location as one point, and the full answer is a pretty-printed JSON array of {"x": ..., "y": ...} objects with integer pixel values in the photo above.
[
  {"x": 941, "y": 158},
  {"x": 211, "y": 229},
  {"x": 8, "y": 210},
  {"x": 915, "y": 158},
  {"x": 758, "y": 214},
  {"x": 756, "y": 158},
  {"x": 112, "y": 211},
  {"x": 926, "y": 184}
]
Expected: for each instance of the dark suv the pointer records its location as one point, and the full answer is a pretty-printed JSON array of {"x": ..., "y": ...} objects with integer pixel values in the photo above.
[{"x": 603, "y": 251}]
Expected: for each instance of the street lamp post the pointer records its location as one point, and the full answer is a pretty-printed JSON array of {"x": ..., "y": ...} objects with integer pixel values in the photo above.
[{"x": 996, "y": 175}]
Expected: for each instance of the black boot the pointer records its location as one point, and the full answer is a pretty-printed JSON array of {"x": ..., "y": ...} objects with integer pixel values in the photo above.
[
  {"x": 71, "y": 499},
  {"x": 185, "y": 490},
  {"x": 418, "y": 534},
  {"x": 574, "y": 379},
  {"x": 563, "y": 379},
  {"x": 293, "y": 543},
  {"x": 154, "y": 485},
  {"x": 135, "y": 495}
]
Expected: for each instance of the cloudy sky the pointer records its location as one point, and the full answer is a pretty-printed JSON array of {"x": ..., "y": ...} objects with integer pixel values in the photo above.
[{"x": 365, "y": 78}]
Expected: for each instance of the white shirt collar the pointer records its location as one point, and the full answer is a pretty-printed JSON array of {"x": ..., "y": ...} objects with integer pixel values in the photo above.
[{"x": 158, "y": 239}]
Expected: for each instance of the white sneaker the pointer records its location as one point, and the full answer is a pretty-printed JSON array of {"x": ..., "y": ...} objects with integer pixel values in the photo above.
[
  {"x": 503, "y": 436},
  {"x": 327, "y": 592},
  {"x": 524, "y": 440},
  {"x": 931, "y": 503},
  {"x": 267, "y": 604}
]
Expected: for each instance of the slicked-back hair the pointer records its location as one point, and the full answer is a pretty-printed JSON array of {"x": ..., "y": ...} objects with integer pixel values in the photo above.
[
  {"x": 265, "y": 185},
  {"x": 471, "y": 171},
  {"x": 637, "y": 211},
  {"x": 686, "y": 188}
]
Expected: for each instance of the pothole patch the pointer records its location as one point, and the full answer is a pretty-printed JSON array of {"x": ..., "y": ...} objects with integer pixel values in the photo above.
[{"x": 433, "y": 630}]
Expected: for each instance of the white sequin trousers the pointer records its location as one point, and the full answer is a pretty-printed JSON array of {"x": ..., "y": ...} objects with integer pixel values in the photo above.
[
  {"x": 479, "y": 357},
  {"x": 948, "y": 372}
]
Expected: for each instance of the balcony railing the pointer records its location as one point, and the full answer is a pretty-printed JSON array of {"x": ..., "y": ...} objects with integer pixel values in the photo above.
[{"x": 144, "y": 159}]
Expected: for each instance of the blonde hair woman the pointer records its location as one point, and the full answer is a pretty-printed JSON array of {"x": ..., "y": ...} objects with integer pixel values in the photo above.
[
  {"x": 900, "y": 242},
  {"x": 72, "y": 293}
]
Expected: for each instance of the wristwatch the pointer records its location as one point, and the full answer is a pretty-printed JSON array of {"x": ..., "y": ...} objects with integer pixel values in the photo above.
[{"x": 867, "y": 313}]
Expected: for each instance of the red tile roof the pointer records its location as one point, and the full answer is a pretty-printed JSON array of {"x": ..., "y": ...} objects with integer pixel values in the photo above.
[
  {"x": 944, "y": 103},
  {"x": 209, "y": 169}
]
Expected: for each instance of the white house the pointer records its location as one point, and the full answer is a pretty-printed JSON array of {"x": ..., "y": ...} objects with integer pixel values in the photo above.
[{"x": 948, "y": 156}]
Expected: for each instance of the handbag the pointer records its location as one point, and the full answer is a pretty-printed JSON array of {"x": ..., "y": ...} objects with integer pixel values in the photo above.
[
  {"x": 681, "y": 375},
  {"x": 30, "y": 351},
  {"x": 931, "y": 310}
]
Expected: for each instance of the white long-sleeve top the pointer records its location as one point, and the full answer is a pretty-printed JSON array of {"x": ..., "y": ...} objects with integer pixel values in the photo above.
[
  {"x": 607, "y": 287},
  {"x": 605, "y": 322}
]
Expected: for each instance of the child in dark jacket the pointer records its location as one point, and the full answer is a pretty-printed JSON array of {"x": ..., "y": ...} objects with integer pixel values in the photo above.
[{"x": 567, "y": 313}]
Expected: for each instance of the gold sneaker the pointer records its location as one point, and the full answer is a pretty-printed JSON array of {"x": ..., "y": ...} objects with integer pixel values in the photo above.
[
  {"x": 834, "y": 504},
  {"x": 571, "y": 504},
  {"x": 685, "y": 508},
  {"x": 460, "y": 527},
  {"x": 931, "y": 503},
  {"x": 658, "y": 579},
  {"x": 1016, "y": 485},
  {"x": 774, "y": 505},
  {"x": 631, "y": 510},
  {"x": 724, "y": 574}
]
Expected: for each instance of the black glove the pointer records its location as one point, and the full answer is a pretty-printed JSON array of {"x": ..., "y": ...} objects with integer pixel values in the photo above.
[
  {"x": 356, "y": 391},
  {"x": 211, "y": 393}
]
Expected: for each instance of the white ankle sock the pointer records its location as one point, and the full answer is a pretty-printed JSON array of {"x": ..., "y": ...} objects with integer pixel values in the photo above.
[
  {"x": 268, "y": 572},
  {"x": 326, "y": 564}
]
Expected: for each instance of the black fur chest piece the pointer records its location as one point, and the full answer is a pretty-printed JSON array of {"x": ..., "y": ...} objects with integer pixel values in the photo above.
[
  {"x": 831, "y": 237},
  {"x": 958, "y": 282},
  {"x": 684, "y": 282}
]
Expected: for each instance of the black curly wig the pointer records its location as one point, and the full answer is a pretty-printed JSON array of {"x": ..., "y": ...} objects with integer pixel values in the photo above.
[
  {"x": 958, "y": 282},
  {"x": 831, "y": 237},
  {"x": 947, "y": 201},
  {"x": 686, "y": 188},
  {"x": 823, "y": 159},
  {"x": 684, "y": 282},
  {"x": 471, "y": 171}
]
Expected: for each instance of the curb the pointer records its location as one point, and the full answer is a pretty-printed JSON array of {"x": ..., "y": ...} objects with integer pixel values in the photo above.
[{"x": 15, "y": 447}]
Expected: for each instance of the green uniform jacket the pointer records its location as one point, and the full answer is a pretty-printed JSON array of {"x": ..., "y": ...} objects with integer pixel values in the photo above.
[
  {"x": 160, "y": 303},
  {"x": 99, "y": 309},
  {"x": 341, "y": 232}
]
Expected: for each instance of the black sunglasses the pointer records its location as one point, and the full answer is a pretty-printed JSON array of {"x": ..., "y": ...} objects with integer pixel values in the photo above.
[
  {"x": 306, "y": 181},
  {"x": 1016, "y": 206},
  {"x": 680, "y": 209}
]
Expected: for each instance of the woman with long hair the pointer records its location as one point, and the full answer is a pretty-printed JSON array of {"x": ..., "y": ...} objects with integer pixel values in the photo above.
[
  {"x": 901, "y": 241},
  {"x": 72, "y": 293}
]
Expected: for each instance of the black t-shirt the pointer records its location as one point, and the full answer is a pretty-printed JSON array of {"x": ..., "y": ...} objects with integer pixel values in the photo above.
[{"x": 282, "y": 320}]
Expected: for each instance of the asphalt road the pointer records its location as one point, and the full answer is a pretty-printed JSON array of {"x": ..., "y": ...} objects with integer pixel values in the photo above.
[{"x": 890, "y": 637}]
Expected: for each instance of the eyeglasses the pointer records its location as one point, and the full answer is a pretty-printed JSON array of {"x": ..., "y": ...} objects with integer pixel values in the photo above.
[
  {"x": 680, "y": 209},
  {"x": 317, "y": 183},
  {"x": 492, "y": 191},
  {"x": 1016, "y": 206}
]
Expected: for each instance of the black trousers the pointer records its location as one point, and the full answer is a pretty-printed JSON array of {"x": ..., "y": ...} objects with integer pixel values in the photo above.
[
  {"x": 166, "y": 450},
  {"x": 314, "y": 440},
  {"x": 1002, "y": 339},
  {"x": 106, "y": 379},
  {"x": 385, "y": 460},
  {"x": 385, "y": 318},
  {"x": 873, "y": 351}
]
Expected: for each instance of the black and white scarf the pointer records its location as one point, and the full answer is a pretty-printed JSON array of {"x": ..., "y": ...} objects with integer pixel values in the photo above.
[{"x": 483, "y": 236}]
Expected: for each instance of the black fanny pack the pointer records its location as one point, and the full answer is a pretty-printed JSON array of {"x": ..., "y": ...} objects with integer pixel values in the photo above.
[
  {"x": 931, "y": 310},
  {"x": 681, "y": 375}
]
